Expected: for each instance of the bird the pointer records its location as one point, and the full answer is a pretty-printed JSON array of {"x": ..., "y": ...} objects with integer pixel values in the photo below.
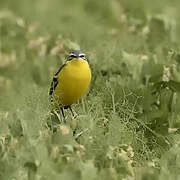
[{"x": 71, "y": 82}]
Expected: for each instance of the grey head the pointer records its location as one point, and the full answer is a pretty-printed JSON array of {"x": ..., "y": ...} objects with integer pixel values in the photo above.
[{"x": 76, "y": 54}]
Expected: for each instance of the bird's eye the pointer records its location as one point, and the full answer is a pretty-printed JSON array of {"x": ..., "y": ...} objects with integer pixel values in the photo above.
[
  {"x": 82, "y": 56},
  {"x": 72, "y": 56}
]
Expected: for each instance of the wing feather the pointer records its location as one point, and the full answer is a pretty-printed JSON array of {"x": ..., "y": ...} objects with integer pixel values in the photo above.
[{"x": 54, "y": 82}]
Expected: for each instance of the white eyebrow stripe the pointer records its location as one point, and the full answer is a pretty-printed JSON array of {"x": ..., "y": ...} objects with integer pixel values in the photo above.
[
  {"x": 72, "y": 54},
  {"x": 82, "y": 54}
]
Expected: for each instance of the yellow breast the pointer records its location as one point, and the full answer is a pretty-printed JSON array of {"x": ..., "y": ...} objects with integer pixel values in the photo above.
[{"x": 73, "y": 82}]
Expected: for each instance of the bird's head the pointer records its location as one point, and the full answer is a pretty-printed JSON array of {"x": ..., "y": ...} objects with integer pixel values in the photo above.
[{"x": 77, "y": 54}]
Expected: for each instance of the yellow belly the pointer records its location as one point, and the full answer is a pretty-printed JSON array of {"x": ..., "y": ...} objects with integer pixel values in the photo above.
[{"x": 73, "y": 82}]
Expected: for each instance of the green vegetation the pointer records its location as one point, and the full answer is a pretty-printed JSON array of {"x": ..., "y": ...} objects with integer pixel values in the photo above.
[{"x": 127, "y": 125}]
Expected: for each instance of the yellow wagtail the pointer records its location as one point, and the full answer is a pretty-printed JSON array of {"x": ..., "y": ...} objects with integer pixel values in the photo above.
[{"x": 71, "y": 81}]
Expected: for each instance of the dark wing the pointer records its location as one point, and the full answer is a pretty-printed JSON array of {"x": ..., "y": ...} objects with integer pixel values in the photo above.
[{"x": 54, "y": 82}]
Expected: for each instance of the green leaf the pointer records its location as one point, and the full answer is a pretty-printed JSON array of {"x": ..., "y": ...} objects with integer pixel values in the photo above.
[
  {"x": 31, "y": 170},
  {"x": 174, "y": 85},
  {"x": 88, "y": 171},
  {"x": 15, "y": 126}
]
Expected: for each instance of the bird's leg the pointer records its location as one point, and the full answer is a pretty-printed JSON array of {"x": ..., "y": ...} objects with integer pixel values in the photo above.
[
  {"x": 62, "y": 111},
  {"x": 71, "y": 110},
  {"x": 74, "y": 131}
]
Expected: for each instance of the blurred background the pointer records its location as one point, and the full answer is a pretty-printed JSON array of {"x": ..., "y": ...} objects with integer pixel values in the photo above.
[
  {"x": 134, "y": 53},
  {"x": 36, "y": 35}
]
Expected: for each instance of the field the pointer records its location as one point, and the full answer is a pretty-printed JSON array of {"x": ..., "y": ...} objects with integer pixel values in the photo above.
[{"x": 127, "y": 126}]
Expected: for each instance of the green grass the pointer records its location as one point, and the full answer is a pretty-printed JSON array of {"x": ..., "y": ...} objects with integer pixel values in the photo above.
[{"x": 127, "y": 126}]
